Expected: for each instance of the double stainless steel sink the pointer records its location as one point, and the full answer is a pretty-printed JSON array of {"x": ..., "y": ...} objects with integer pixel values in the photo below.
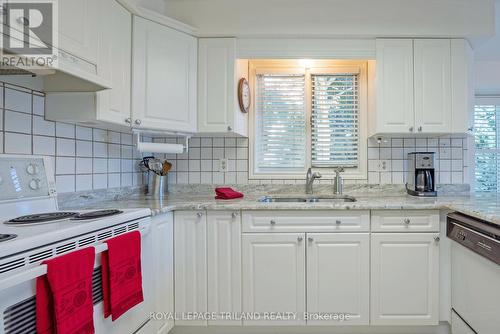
[{"x": 307, "y": 199}]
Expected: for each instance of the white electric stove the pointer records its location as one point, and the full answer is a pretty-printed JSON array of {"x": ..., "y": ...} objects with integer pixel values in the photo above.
[{"x": 32, "y": 229}]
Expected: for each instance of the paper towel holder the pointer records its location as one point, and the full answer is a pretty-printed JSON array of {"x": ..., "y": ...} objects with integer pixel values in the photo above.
[{"x": 162, "y": 147}]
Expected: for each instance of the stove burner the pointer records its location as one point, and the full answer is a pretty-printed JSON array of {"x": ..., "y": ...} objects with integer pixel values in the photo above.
[
  {"x": 6, "y": 237},
  {"x": 96, "y": 214},
  {"x": 41, "y": 218}
]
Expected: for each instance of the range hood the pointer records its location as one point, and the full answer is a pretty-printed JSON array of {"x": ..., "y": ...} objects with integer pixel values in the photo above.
[{"x": 71, "y": 74}]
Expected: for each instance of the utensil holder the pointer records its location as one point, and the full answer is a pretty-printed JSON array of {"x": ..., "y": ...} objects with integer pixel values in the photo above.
[{"x": 157, "y": 185}]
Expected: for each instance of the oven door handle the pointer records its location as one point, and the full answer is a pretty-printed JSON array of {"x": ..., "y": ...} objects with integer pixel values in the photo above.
[{"x": 40, "y": 270}]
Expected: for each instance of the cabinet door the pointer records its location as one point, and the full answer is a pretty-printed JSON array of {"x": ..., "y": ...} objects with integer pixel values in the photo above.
[
  {"x": 113, "y": 105},
  {"x": 404, "y": 279},
  {"x": 164, "y": 78},
  {"x": 190, "y": 265},
  {"x": 462, "y": 86},
  {"x": 274, "y": 277},
  {"x": 432, "y": 86},
  {"x": 163, "y": 246},
  {"x": 224, "y": 264},
  {"x": 79, "y": 28},
  {"x": 338, "y": 277},
  {"x": 216, "y": 84},
  {"x": 395, "y": 110}
]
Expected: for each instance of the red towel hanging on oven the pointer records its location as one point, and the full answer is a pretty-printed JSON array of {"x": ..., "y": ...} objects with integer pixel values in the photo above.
[
  {"x": 64, "y": 296},
  {"x": 121, "y": 274}
]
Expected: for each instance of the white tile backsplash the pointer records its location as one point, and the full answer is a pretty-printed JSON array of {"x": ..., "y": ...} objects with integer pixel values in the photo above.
[
  {"x": 80, "y": 154},
  {"x": 17, "y": 122},
  {"x": 17, "y": 143},
  {"x": 18, "y": 100},
  {"x": 386, "y": 161},
  {"x": 88, "y": 158}
]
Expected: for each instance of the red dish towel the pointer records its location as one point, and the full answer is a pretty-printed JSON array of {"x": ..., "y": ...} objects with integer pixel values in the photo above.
[
  {"x": 121, "y": 274},
  {"x": 227, "y": 193},
  {"x": 64, "y": 296}
]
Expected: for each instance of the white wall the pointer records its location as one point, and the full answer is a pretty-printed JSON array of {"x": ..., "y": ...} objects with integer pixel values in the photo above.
[
  {"x": 330, "y": 18},
  {"x": 487, "y": 77},
  {"x": 487, "y": 66}
]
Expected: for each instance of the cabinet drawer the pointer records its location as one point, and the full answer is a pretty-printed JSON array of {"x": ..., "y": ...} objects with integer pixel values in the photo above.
[
  {"x": 405, "y": 220},
  {"x": 306, "y": 221}
]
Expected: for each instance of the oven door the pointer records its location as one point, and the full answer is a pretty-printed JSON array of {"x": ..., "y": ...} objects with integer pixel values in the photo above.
[
  {"x": 475, "y": 290},
  {"x": 17, "y": 301}
]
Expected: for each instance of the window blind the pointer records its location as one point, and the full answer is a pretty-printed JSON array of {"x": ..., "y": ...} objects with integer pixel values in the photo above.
[
  {"x": 281, "y": 121},
  {"x": 334, "y": 120},
  {"x": 487, "y": 142}
]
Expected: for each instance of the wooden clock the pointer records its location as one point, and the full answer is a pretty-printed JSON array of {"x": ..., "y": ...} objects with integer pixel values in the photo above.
[{"x": 244, "y": 97}]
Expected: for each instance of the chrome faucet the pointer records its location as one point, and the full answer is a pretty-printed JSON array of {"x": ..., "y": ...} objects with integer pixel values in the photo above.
[
  {"x": 338, "y": 182},
  {"x": 310, "y": 177}
]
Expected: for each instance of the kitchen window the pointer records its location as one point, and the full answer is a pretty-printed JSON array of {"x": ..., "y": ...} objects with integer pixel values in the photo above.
[
  {"x": 308, "y": 115},
  {"x": 487, "y": 145}
]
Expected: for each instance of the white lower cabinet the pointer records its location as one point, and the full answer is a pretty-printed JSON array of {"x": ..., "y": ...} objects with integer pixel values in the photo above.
[
  {"x": 338, "y": 277},
  {"x": 190, "y": 256},
  {"x": 404, "y": 279},
  {"x": 274, "y": 276},
  {"x": 301, "y": 278},
  {"x": 163, "y": 244},
  {"x": 224, "y": 266}
]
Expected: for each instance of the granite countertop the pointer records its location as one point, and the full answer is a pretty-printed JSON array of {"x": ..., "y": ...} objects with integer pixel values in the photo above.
[{"x": 483, "y": 206}]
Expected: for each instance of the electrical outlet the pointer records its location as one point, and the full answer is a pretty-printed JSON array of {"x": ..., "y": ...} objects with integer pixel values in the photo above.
[
  {"x": 384, "y": 165},
  {"x": 223, "y": 165}
]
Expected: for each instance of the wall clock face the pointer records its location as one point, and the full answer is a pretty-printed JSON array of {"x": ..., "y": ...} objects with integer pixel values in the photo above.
[{"x": 244, "y": 97}]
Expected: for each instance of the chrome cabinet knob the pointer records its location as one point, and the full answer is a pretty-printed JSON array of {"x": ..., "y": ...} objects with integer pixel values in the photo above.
[
  {"x": 234, "y": 214},
  {"x": 470, "y": 129},
  {"x": 437, "y": 239},
  {"x": 411, "y": 128},
  {"x": 299, "y": 239},
  {"x": 338, "y": 222},
  {"x": 419, "y": 129},
  {"x": 229, "y": 128},
  {"x": 407, "y": 221},
  {"x": 273, "y": 222},
  {"x": 310, "y": 239},
  {"x": 199, "y": 214},
  {"x": 128, "y": 120},
  {"x": 138, "y": 121}
]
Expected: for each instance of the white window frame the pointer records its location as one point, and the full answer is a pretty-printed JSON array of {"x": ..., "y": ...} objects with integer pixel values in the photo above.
[{"x": 311, "y": 67}]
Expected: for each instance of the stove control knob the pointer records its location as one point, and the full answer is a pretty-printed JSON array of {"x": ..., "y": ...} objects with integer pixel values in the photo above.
[
  {"x": 32, "y": 169},
  {"x": 34, "y": 184}
]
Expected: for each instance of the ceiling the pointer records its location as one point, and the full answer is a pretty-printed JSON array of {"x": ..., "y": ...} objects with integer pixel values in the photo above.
[{"x": 357, "y": 18}]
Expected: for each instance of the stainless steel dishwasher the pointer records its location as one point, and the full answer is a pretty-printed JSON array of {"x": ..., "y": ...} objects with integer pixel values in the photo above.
[{"x": 475, "y": 275}]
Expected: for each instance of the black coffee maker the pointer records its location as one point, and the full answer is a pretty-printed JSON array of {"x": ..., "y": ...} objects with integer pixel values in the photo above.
[{"x": 421, "y": 174}]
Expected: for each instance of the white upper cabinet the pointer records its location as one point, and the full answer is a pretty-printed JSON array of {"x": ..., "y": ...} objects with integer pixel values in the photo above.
[
  {"x": 163, "y": 78},
  {"x": 218, "y": 74},
  {"x": 432, "y": 85},
  {"x": 394, "y": 86},
  {"x": 462, "y": 86},
  {"x": 108, "y": 107},
  {"x": 338, "y": 277},
  {"x": 423, "y": 87},
  {"x": 79, "y": 23},
  {"x": 116, "y": 55},
  {"x": 404, "y": 279}
]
